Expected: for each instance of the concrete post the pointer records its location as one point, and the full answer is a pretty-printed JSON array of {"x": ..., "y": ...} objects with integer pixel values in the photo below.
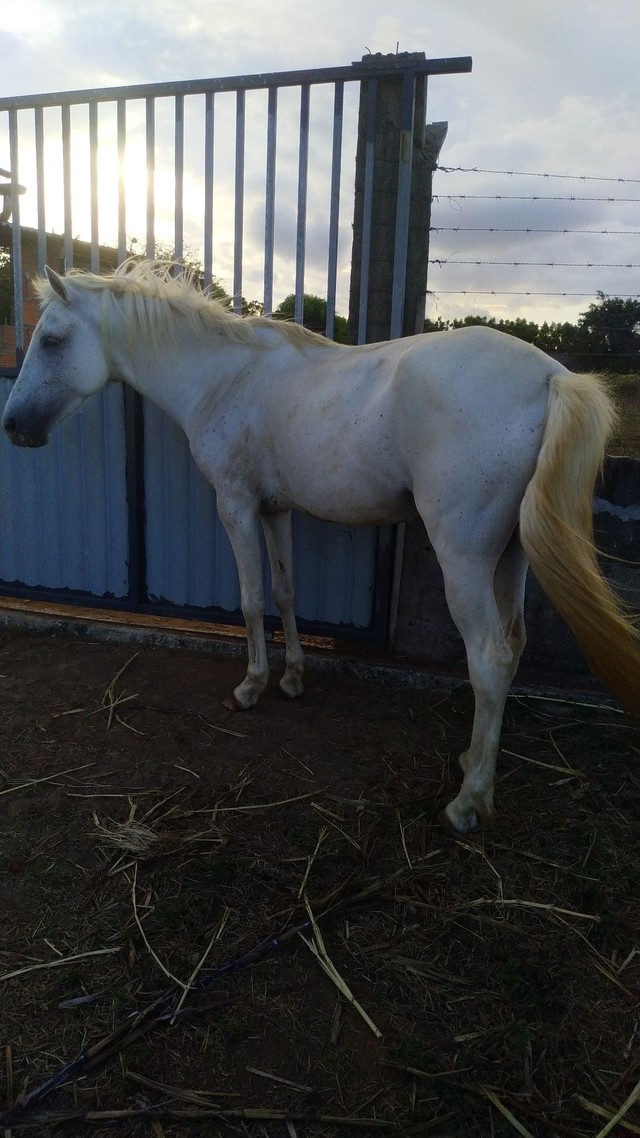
[{"x": 385, "y": 130}]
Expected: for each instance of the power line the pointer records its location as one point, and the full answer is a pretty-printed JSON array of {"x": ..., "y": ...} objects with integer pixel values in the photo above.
[{"x": 534, "y": 174}]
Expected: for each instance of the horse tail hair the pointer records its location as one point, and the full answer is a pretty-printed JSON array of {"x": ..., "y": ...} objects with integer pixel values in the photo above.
[{"x": 556, "y": 528}]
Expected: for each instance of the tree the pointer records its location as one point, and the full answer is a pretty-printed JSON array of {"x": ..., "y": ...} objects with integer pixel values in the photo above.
[
  {"x": 606, "y": 336},
  {"x": 611, "y": 329},
  {"x": 315, "y": 315}
]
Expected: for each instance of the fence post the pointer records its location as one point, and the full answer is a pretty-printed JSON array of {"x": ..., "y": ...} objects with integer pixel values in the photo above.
[{"x": 394, "y": 147}]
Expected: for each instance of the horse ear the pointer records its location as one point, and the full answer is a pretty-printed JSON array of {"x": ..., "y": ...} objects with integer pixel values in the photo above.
[{"x": 57, "y": 284}]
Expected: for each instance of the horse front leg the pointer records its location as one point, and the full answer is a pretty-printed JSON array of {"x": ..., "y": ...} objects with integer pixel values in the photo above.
[
  {"x": 277, "y": 532},
  {"x": 242, "y": 528}
]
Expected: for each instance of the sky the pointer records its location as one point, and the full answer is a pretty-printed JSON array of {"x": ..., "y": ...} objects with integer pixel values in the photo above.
[{"x": 554, "y": 90}]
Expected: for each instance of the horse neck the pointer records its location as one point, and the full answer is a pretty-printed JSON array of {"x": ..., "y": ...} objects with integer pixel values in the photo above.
[{"x": 178, "y": 377}]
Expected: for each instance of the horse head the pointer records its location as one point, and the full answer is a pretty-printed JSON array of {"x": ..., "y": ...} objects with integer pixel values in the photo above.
[{"x": 65, "y": 363}]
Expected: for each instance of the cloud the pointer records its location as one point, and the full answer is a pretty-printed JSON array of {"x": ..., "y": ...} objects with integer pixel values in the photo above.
[{"x": 553, "y": 89}]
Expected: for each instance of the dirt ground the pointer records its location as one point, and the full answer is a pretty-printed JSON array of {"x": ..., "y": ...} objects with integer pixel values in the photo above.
[{"x": 487, "y": 986}]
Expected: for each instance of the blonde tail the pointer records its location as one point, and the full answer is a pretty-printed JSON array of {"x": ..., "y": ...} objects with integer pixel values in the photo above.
[{"x": 556, "y": 528}]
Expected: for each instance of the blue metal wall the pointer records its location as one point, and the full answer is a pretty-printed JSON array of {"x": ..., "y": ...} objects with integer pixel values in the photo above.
[
  {"x": 63, "y": 508},
  {"x": 190, "y": 561}
]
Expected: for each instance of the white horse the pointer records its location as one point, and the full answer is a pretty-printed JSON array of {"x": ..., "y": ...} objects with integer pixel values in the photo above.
[{"x": 493, "y": 444}]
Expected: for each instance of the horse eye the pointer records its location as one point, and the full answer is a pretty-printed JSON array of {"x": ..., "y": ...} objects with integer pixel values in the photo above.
[{"x": 50, "y": 341}]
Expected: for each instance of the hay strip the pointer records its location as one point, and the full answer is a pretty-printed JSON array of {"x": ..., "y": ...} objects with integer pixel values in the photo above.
[
  {"x": 517, "y": 903},
  {"x": 259, "y": 805},
  {"x": 601, "y": 1112},
  {"x": 197, "y": 1098},
  {"x": 506, "y": 1113},
  {"x": 58, "y": 962},
  {"x": 319, "y": 951},
  {"x": 111, "y": 699},
  {"x": 279, "y": 1079},
  {"x": 47, "y": 778},
  {"x": 619, "y": 1115},
  {"x": 322, "y": 833},
  {"x": 190, "y": 982},
  {"x": 569, "y": 771},
  {"x": 157, "y": 959}
]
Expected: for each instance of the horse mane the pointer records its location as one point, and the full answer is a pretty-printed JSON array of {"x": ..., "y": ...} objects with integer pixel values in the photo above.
[{"x": 143, "y": 291}]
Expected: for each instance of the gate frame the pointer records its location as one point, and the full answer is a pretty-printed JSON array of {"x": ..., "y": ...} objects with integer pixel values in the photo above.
[{"x": 381, "y": 77}]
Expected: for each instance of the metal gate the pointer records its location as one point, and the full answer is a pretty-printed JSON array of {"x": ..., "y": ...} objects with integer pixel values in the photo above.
[{"x": 253, "y": 177}]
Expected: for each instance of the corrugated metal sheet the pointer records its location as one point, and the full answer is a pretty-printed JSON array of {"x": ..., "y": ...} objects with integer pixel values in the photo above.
[
  {"x": 189, "y": 558},
  {"x": 63, "y": 508}
]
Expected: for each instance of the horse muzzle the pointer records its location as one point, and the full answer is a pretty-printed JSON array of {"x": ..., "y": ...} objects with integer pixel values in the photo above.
[{"x": 34, "y": 437}]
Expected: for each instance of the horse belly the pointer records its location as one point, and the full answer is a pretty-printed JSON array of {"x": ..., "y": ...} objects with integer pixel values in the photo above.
[{"x": 357, "y": 480}]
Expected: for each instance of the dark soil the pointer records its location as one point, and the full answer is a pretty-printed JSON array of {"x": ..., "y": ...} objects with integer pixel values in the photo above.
[{"x": 502, "y": 971}]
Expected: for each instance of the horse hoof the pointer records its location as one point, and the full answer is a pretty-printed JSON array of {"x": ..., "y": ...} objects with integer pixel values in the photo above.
[
  {"x": 458, "y": 825},
  {"x": 231, "y": 703},
  {"x": 289, "y": 695}
]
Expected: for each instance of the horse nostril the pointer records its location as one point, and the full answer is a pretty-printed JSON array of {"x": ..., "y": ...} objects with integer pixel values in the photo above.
[{"x": 9, "y": 425}]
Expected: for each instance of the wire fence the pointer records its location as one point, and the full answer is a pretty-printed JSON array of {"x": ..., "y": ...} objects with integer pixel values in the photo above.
[{"x": 516, "y": 233}]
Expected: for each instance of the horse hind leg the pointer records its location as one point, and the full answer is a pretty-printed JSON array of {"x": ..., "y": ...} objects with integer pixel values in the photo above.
[
  {"x": 509, "y": 587},
  {"x": 509, "y": 590},
  {"x": 277, "y": 532},
  {"x": 491, "y": 658}
]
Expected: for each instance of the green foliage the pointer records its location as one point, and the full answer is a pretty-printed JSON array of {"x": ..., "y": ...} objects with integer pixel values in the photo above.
[
  {"x": 612, "y": 326},
  {"x": 315, "y": 315},
  {"x": 605, "y": 338}
]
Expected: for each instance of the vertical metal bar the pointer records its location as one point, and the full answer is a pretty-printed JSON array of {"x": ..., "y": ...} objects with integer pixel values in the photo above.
[
  {"x": 93, "y": 179},
  {"x": 150, "y": 144},
  {"x": 301, "y": 228},
  {"x": 270, "y": 199},
  {"x": 239, "y": 203},
  {"x": 16, "y": 237},
  {"x": 178, "y": 216},
  {"x": 133, "y": 408},
  {"x": 367, "y": 203},
  {"x": 334, "y": 211},
  {"x": 40, "y": 197},
  {"x": 134, "y": 475},
  {"x": 209, "y": 127},
  {"x": 66, "y": 186},
  {"x": 122, "y": 199},
  {"x": 405, "y": 160}
]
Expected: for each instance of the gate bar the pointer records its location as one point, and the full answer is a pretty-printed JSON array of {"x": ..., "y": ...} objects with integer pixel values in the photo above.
[
  {"x": 334, "y": 208},
  {"x": 269, "y": 203},
  {"x": 42, "y": 231},
  {"x": 150, "y": 149},
  {"x": 209, "y": 129},
  {"x": 301, "y": 226},
  {"x": 356, "y": 71}
]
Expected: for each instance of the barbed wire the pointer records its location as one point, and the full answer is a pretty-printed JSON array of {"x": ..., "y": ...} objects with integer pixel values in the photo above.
[
  {"x": 529, "y": 229},
  {"x": 442, "y": 261},
  {"x": 535, "y": 174},
  {"x": 524, "y": 292},
  {"x": 454, "y": 200},
  {"x": 528, "y": 198}
]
